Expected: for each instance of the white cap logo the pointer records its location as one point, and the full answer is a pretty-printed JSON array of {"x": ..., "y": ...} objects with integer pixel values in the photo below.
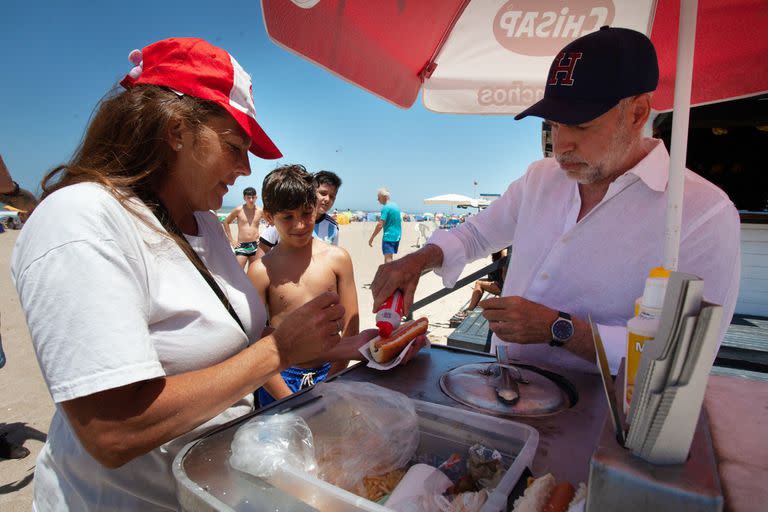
[{"x": 241, "y": 96}]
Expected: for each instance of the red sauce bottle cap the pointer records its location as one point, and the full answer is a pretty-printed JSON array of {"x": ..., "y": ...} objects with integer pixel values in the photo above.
[{"x": 385, "y": 329}]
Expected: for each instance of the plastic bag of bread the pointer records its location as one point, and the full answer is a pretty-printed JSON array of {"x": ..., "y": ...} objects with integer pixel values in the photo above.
[{"x": 361, "y": 430}]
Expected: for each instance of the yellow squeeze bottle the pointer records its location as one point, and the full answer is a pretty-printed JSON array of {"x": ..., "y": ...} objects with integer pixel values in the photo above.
[{"x": 643, "y": 326}]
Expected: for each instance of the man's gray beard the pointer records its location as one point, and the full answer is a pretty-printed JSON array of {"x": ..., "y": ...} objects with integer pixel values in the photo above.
[
  {"x": 617, "y": 148},
  {"x": 585, "y": 176}
]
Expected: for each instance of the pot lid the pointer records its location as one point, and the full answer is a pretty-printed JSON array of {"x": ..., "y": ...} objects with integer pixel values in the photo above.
[{"x": 540, "y": 392}]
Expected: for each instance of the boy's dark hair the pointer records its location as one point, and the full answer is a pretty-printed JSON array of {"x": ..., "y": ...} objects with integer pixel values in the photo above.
[
  {"x": 249, "y": 191},
  {"x": 327, "y": 178},
  {"x": 288, "y": 187}
]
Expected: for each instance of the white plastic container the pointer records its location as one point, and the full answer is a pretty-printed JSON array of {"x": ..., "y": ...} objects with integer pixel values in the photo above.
[
  {"x": 642, "y": 327},
  {"x": 443, "y": 431}
]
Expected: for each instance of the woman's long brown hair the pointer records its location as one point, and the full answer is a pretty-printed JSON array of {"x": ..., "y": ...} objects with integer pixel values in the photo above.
[{"x": 126, "y": 149}]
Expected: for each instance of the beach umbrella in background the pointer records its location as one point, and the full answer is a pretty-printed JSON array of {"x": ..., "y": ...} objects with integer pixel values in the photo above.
[
  {"x": 492, "y": 56},
  {"x": 475, "y": 203},
  {"x": 428, "y": 215},
  {"x": 448, "y": 200}
]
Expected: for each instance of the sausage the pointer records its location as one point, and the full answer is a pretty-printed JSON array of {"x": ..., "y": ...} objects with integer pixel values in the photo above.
[
  {"x": 561, "y": 496},
  {"x": 384, "y": 350}
]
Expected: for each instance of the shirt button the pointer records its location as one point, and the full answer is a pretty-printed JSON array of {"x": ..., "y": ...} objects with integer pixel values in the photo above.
[
  {"x": 565, "y": 239},
  {"x": 544, "y": 275}
]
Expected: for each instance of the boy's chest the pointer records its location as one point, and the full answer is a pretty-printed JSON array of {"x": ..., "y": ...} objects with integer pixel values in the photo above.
[
  {"x": 248, "y": 217},
  {"x": 285, "y": 295}
]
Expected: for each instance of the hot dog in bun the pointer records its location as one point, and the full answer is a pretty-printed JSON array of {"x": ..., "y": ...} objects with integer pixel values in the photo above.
[
  {"x": 544, "y": 495},
  {"x": 386, "y": 349}
]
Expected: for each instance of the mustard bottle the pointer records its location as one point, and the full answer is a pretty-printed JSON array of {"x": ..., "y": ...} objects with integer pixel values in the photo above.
[{"x": 643, "y": 326}]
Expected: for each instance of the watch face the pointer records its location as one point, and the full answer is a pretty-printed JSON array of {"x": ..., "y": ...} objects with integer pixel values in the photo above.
[{"x": 562, "y": 329}]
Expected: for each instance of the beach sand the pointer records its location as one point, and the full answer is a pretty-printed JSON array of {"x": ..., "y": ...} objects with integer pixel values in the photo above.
[{"x": 25, "y": 404}]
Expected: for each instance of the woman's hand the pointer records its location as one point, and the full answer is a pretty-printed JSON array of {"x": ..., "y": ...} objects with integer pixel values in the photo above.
[
  {"x": 418, "y": 343},
  {"x": 349, "y": 348},
  {"x": 6, "y": 182},
  {"x": 311, "y": 331}
]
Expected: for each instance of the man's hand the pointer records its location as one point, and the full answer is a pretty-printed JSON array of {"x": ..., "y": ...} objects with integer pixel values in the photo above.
[
  {"x": 404, "y": 274},
  {"x": 519, "y": 320},
  {"x": 379, "y": 225}
]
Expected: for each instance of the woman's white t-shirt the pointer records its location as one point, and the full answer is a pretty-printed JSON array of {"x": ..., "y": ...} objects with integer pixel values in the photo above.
[{"x": 109, "y": 302}]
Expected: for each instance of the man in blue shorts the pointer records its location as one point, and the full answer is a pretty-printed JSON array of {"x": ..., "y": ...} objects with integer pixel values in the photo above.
[
  {"x": 390, "y": 222},
  {"x": 248, "y": 219}
]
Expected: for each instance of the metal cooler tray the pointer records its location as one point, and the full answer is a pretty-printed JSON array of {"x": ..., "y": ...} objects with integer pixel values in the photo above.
[{"x": 207, "y": 482}]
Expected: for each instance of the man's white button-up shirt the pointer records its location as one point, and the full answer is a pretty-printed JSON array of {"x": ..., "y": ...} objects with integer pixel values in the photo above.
[{"x": 598, "y": 265}]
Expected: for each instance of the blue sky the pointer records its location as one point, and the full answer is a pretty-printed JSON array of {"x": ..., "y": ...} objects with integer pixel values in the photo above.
[{"x": 60, "y": 58}]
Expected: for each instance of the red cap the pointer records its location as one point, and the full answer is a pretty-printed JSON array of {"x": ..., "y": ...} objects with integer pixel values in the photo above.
[
  {"x": 195, "y": 67},
  {"x": 385, "y": 329}
]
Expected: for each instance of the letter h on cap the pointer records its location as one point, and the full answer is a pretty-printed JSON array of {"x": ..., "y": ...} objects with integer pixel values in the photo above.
[{"x": 565, "y": 69}]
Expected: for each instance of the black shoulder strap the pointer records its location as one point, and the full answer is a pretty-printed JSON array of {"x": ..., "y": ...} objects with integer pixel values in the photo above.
[{"x": 168, "y": 223}]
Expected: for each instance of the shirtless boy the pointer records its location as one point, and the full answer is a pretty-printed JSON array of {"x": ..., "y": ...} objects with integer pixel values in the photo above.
[
  {"x": 298, "y": 269},
  {"x": 248, "y": 217}
]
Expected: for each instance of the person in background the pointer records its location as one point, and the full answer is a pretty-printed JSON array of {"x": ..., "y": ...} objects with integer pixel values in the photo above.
[
  {"x": 391, "y": 223},
  {"x": 587, "y": 225},
  {"x": 493, "y": 285},
  {"x": 147, "y": 331},
  {"x": 327, "y": 185},
  {"x": 298, "y": 269},
  {"x": 12, "y": 195},
  {"x": 248, "y": 219}
]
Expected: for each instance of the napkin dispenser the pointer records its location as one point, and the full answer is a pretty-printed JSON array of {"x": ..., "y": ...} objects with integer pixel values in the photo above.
[{"x": 619, "y": 480}]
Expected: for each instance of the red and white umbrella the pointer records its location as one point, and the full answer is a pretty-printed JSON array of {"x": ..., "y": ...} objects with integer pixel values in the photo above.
[{"x": 492, "y": 56}]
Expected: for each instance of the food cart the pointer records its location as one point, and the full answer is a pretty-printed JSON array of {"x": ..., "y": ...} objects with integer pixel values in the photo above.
[
  {"x": 571, "y": 441},
  {"x": 566, "y": 438}
]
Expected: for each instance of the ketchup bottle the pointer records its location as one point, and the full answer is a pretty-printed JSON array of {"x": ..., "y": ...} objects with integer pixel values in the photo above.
[{"x": 389, "y": 314}]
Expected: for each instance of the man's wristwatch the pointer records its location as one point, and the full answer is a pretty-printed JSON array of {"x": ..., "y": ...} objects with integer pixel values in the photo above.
[{"x": 562, "y": 329}]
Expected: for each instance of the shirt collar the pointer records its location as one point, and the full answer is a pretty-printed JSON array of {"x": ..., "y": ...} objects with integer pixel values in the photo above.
[{"x": 653, "y": 170}]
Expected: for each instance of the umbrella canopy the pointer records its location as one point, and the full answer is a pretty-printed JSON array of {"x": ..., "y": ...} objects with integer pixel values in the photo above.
[
  {"x": 449, "y": 200},
  {"x": 492, "y": 56}
]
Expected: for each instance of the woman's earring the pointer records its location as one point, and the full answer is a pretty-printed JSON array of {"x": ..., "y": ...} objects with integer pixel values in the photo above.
[{"x": 178, "y": 147}]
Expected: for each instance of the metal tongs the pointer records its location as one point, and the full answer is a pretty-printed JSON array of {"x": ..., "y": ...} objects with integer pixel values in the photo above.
[{"x": 508, "y": 390}]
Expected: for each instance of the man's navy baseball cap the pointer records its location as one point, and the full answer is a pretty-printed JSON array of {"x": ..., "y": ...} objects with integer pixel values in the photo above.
[{"x": 593, "y": 73}]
